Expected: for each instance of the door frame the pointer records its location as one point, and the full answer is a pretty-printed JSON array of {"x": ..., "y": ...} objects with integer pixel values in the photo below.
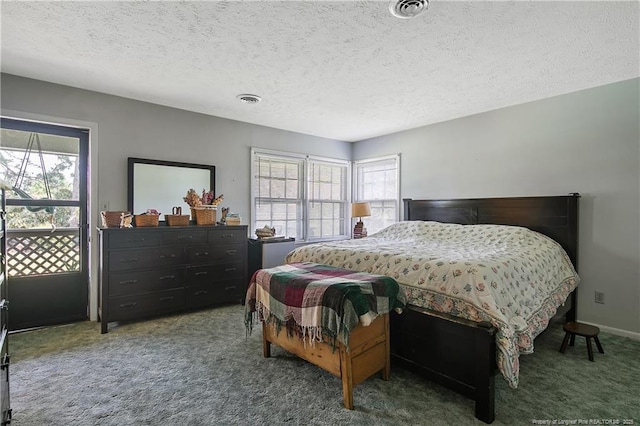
[{"x": 82, "y": 133}]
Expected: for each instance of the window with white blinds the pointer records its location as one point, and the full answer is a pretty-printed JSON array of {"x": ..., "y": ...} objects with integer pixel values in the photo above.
[
  {"x": 377, "y": 181},
  {"x": 300, "y": 196}
]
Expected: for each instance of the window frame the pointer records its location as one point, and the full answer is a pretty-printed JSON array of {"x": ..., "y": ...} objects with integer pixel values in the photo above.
[
  {"x": 357, "y": 187},
  {"x": 303, "y": 222}
]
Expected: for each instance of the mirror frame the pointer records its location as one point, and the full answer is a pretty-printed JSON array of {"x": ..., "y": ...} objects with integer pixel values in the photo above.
[{"x": 132, "y": 161}]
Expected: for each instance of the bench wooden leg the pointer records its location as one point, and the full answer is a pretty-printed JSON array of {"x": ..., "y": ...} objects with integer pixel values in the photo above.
[
  {"x": 598, "y": 344},
  {"x": 347, "y": 378},
  {"x": 589, "y": 349},
  {"x": 573, "y": 339},
  {"x": 386, "y": 372},
  {"x": 266, "y": 345},
  {"x": 565, "y": 341}
]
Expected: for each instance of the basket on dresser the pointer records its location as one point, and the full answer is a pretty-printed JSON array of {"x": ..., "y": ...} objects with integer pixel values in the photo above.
[
  {"x": 206, "y": 215},
  {"x": 176, "y": 218},
  {"x": 143, "y": 220}
]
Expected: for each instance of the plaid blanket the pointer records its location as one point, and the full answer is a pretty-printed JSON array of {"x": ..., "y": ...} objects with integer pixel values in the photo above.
[{"x": 318, "y": 301}]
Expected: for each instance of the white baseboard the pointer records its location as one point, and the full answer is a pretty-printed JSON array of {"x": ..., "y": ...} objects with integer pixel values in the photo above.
[{"x": 616, "y": 331}]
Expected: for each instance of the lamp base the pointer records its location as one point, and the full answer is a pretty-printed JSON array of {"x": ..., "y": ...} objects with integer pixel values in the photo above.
[{"x": 359, "y": 231}]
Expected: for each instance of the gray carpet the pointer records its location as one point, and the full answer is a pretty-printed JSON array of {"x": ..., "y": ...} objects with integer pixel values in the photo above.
[{"x": 199, "y": 369}]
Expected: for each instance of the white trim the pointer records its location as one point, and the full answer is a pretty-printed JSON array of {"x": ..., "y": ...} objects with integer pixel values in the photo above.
[
  {"x": 92, "y": 185},
  {"x": 617, "y": 331},
  {"x": 384, "y": 157},
  {"x": 356, "y": 183}
]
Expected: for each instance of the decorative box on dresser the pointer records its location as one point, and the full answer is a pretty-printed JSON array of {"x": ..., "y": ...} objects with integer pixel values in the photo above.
[
  {"x": 5, "y": 406},
  {"x": 153, "y": 271}
]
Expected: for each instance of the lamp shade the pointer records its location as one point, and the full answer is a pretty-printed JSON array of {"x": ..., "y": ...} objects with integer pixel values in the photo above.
[{"x": 360, "y": 209}]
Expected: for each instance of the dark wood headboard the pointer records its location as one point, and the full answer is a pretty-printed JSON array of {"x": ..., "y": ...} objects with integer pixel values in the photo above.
[{"x": 554, "y": 216}]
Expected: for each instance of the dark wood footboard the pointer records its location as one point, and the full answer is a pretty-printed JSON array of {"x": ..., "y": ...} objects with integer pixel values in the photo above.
[{"x": 456, "y": 353}]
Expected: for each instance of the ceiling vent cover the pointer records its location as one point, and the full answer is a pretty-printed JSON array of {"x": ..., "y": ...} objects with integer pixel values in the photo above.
[
  {"x": 406, "y": 9},
  {"x": 249, "y": 99}
]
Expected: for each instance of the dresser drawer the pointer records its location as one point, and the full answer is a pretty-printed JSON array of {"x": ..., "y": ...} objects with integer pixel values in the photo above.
[
  {"x": 216, "y": 254},
  {"x": 227, "y": 235},
  {"x": 213, "y": 273},
  {"x": 121, "y": 283},
  {"x": 145, "y": 258},
  {"x": 223, "y": 292},
  {"x": 128, "y": 238},
  {"x": 185, "y": 236},
  {"x": 126, "y": 307}
]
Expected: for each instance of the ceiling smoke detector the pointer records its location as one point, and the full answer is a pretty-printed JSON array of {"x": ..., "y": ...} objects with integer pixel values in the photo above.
[
  {"x": 406, "y": 9},
  {"x": 249, "y": 99}
]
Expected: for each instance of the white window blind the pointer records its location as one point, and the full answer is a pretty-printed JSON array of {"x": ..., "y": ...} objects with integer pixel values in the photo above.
[
  {"x": 327, "y": 204},
  {"x": 377, "y": 181}
]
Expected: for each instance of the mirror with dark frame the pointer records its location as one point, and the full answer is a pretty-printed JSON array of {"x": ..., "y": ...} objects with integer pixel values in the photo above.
[{"x": 161, "y": 185}]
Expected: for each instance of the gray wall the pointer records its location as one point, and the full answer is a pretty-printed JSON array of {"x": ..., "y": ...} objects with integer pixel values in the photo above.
[
  {"x": 586, "y": 142},
  {"x": 124, "y": 128}
]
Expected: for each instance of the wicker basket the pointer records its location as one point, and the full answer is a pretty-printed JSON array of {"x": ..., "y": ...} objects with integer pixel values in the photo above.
[
  {"x": 177, "y": 219},
  {"x": 205, "y": 216},
  {"x": 112, "y": 219},
  {"x": 142, "y": 220}
]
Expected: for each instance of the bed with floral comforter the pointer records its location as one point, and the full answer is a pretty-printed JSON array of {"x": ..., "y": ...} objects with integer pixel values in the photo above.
[{"x": 511, "y": 276}]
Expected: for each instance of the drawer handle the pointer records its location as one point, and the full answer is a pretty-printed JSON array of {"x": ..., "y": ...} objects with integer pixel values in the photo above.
[
  {"x": 167, "y": 277},
  {"x": 128, "y": 282},
  {"x": 166, "y": 299},
  {"x": 229, "y": 288},
  {"x": 201, "y": 273},
  {"x": 206, "y": 253},
  {"x": 198, "y": 293},
  {"x": 185, "y": 237},
  {"x": 133, "y": 259},
  {"x": 230, "y": 269},
  {"x": 164, "y": 256},
  {"x": 141, "y": 240},
  {"x": 128, "y": 305},
  {"x": 231, "y": 252},
  {"x": 227, "y": 235}
]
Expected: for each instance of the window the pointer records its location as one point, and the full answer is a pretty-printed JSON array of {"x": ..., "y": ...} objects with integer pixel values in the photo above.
[
  {"x": 377, "y": 181},
  {"x": 300, "y": 196}
]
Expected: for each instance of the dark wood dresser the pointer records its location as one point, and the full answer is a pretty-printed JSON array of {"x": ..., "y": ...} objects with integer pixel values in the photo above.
[
  {"x": 5, "y": 406},
  {"x": 153, "y": 271}
]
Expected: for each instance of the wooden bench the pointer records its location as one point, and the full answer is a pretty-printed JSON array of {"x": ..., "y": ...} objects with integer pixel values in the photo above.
[
  {"x": 368, "y": 353},
  {"x": 587, "y": 331}
]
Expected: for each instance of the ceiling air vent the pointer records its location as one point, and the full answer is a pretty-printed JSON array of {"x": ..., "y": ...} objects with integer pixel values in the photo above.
[
  {"x": 249, "y": 99},
  {"x": 406, "y": 9}
]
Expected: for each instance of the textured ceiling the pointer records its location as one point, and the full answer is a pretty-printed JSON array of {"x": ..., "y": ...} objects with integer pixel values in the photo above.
[{"x": 343, "y": 70}]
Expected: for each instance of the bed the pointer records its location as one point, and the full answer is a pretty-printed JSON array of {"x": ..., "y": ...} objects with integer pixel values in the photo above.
[
  {"x": 334, "y": 318},
  {"x": 470, "y": 315}
]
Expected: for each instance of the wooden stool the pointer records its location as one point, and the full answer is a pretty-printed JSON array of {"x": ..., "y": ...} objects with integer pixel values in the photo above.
[{"x": 587, "y": 331}]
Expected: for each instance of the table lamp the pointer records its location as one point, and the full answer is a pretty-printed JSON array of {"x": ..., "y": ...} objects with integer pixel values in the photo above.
[{"x": 360, "y": 210}]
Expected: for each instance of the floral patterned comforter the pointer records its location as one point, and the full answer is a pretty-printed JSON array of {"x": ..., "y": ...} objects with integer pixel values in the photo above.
[{"x": 513, "y": 277}]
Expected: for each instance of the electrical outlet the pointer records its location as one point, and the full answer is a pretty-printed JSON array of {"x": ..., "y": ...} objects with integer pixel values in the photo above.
[
  {"x": 105, "y": 206},
  {"x": 600, "y": 297}
]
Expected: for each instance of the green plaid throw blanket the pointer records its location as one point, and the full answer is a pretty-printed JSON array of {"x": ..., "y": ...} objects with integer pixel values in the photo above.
[{"x": 318, "y": 301}]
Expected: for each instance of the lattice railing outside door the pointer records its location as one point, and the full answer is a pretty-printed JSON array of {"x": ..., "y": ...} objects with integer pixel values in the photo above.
[{"x": 42, "y": 252}]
